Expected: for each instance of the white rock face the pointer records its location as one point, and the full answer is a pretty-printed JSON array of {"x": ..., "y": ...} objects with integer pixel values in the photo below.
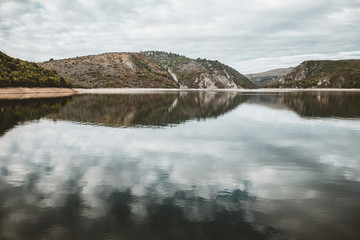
[
  {"x": 173, "y": 75},
  {"x": 227, "y": 75},
  {"x": 323, "y": 82},
  {"x": 208, "y": 81},
  {"x": 127, "y": 61},
  {"x": 227, "y": 82}
]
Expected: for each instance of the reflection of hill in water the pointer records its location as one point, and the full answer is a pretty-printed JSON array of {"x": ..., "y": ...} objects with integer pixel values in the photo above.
[
  {"x": 313, "y": 104},
  {"x": 161, "y": 109},
  {"x": 13, "y": 112},
  {"x": 148, "y": 109}
]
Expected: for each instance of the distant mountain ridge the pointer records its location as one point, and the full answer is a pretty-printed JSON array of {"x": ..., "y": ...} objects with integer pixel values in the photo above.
[
  {"x": 18, "y": 73},
  {"x": 322, "y": 74},
  {"x": 152, "y": 69},
  {"x": 268, "y": 77}
]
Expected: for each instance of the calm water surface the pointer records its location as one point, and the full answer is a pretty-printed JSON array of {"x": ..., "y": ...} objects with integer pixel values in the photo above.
[{"x": 181, "y": 166}]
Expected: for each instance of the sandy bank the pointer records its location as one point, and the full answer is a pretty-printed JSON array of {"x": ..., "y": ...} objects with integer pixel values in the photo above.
[
  {"x": 24, "y": 93},
  {"x": 126, "y": 90}
]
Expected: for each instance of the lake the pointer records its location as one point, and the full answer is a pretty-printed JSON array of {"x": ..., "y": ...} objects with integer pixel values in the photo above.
[{"x": 183, "y": 165}]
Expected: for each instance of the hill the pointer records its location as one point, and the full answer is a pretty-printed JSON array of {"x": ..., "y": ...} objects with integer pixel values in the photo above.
[
  {"x": 322, "y": 74},
  {"x": 147, "y": 70},
  {"x": 268, "y": 77},
  {"x": 17, "y": 73}
]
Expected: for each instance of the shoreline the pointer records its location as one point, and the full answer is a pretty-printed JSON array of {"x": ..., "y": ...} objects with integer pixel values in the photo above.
[
  {"x": 159, "y": 90},
  {"x": 23, "y": 93}
]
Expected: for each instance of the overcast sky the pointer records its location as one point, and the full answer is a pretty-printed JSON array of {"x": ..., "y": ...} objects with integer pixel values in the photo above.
[{"x": 249, "y": 35}]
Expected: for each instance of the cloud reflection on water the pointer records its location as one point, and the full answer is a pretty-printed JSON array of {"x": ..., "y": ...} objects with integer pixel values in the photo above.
[{"x": 255, "y": 167}]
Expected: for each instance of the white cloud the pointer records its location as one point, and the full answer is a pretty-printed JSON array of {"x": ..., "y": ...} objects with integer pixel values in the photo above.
[
  {"x": 268, "y": 63},
  {"x": 233, "y": 32}
]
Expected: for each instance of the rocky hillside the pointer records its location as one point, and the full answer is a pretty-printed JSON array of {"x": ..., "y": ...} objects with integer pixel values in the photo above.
[
  {"x": 17, "y": 73},
  {"x": 148, "y": 70},
  {"x": 200, "y": 73},
  {"x": 322, "y": 74},
  {"x": 268, "y": 77}
]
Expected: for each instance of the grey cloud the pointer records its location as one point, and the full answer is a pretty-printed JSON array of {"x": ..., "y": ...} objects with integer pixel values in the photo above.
[{"x": 229, "y": 31}]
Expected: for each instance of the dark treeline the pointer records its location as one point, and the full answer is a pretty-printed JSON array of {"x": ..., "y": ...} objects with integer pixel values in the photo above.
[{"x": 17, "y": 73}]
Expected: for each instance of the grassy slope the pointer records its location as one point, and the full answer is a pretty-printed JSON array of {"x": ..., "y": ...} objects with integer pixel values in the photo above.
[
  {"x": 150, "y": 74},
  {"x": 341, "y": 74},
  {"x": 17, "y": 73},
  {"x": 115, "y": 70}
]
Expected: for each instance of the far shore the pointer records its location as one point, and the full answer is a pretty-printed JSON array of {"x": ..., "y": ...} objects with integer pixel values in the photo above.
[
  {"x": 24, "y": 93},
  {"x": 154, "y": 90}
]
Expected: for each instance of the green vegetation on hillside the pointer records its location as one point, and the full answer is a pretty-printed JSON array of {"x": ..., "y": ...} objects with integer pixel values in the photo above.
[
  {"x": 17, "y": 73},
  {"x": 150, "y": 74},
  {"x": 325, "y": 74}
]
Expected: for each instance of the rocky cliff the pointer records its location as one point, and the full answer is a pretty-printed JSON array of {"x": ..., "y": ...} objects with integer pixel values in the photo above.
[
  {"x": 148, "y": 70},
  {"x": 322, "y": 74}
]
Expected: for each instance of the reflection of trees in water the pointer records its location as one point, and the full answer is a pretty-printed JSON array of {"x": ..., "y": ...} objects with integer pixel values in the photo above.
[
  {"x": 165, "y": 219},
  {"x": 313, "y": 104},
  {"x": 13, "y": 112},
  {"x": 163, "y": 109},
  {"x": 148, "y": 109},
  {"x": 323, "y": 104},
  {"x": 121, "y": 109}
]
